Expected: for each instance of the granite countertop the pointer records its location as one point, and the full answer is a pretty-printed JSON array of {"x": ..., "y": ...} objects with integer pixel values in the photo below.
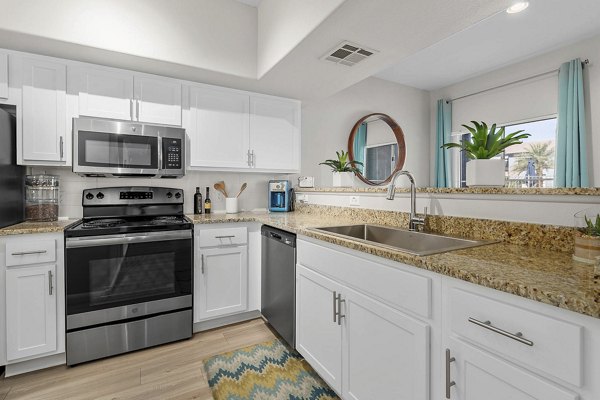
[
  {"x": 543, "y": 275},
  {"x": 547, "y": 276},
  {"x": 36, "y": 227},
  {"x": 595, "y": 191}
]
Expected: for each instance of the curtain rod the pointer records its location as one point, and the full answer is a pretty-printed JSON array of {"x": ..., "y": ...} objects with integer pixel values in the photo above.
[{"x": 583, "y": 63}]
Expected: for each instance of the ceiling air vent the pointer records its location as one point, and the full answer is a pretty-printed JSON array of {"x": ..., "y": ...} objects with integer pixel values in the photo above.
[{"x": 348, "y": 54}]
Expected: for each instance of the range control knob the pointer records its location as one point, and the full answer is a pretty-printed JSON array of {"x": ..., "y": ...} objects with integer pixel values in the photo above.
[
  {"x": 89, "y": 196},
  {"x": 100, "y": 195},
  {"x": 177, "y": 195},
  {"x": 169, "y": 195}
]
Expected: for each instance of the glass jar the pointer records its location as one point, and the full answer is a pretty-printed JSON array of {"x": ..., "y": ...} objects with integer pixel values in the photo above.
[{"x": 41, "y": 198}]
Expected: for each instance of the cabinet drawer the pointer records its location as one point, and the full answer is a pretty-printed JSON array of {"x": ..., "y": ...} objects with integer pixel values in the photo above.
[
  {"x": 19, "y": 252},
  {"x": 400, "y": 289},
  {"x": 554, "y": 347},
  {"x": 222, "y": 237}
]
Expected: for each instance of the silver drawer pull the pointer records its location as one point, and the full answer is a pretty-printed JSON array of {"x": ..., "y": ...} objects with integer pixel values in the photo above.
[
  {"x": 26, "y": 253},
  {"x": 225, "y": 237},
  {"x": 50, "y": 284},
  {"x": 514, "y": 336}
]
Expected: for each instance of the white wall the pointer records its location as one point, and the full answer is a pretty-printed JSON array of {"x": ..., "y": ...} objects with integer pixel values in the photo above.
[
  {"x": 282, "y": 24},
  {"x": 254, "y": 197},
  {"x": 222, "y": 33},
  {"x": 530, "y": 99},
  {"x": 326, "y": 125}
]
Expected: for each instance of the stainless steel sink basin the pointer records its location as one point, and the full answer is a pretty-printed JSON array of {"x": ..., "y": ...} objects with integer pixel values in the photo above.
[{"x": 417, "y": 243}]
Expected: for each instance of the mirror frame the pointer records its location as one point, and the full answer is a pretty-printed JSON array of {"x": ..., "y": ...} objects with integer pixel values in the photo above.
[{"x": 398, "y": 134}]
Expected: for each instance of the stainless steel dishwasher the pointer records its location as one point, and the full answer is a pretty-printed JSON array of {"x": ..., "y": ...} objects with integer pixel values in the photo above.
[{"x": 278, "y": 290}]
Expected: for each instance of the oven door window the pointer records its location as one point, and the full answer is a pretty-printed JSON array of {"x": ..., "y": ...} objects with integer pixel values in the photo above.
[
  {"x": 116, "y": 275},
  {"x": 109, "y": 150}
]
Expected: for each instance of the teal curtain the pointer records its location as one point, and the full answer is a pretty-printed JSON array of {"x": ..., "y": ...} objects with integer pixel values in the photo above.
[
  {"x": 442, "y": 157},
  {"x": 571, "y": 158},
  {"x": 360, "y": 143}
]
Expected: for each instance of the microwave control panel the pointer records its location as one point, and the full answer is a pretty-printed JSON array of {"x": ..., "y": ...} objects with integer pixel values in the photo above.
[{"x": 172, "y": 156}]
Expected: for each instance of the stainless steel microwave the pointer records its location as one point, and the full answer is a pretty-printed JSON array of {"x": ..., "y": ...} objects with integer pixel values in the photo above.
[{"x": 106, "y": 147}]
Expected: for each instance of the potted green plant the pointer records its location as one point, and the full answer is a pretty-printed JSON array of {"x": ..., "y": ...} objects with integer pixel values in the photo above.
[
  {"x": 343, "y": 169},
  {"x": 587, "y": 238},
  {"x": 485, "y": 144}
]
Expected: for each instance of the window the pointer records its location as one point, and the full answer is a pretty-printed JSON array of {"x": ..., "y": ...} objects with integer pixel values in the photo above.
[
  {"x": 530, "y": 164},
  {"x": 380, "y": 161}
]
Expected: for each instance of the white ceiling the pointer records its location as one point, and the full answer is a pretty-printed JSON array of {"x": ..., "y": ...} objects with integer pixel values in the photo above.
[
  {"x": 500, "y": 40},
  {"x": 253, "y": 3}
]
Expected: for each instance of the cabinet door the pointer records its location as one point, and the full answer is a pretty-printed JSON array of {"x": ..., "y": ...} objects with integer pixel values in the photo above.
[
  {"x": 318, "y": 336},
  {"x": 44, "y": 128},
  {"x": 104, "y": 93},
  {"x": 221, "y": 282},
  {"x": 158, "y": 100},
  {"x": 275, "y": 133},
  {"x": 3, "y": 75},
  {"x": 479, "y": 375},
  {"x": 386, "y": 352},
  {"x": 219, "y": 128},
  {"x": 30, "y": 311}
]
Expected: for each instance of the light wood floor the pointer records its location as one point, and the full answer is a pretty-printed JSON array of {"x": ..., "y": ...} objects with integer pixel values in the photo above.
[{"x": 172, "y": 371}]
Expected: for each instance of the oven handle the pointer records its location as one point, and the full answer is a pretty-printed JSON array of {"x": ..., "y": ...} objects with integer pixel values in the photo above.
[{"x": 107, "y": 240}]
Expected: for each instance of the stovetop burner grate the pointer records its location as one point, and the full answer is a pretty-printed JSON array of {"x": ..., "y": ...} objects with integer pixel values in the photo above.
[{"x": 103, "y": 223}]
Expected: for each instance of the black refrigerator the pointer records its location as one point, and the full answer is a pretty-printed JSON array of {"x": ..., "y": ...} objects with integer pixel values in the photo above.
[{"x": 12, "y": 176}]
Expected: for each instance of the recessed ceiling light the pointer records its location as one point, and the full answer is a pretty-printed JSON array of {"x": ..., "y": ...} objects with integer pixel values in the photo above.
[{"x": 517, "y": 7}]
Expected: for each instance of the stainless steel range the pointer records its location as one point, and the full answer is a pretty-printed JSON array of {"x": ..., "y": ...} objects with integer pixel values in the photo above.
[{"x": 128, "y": 267}]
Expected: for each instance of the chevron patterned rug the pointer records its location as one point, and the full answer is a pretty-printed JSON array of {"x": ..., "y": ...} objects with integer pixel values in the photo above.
[{"x": 267, "y": 371}]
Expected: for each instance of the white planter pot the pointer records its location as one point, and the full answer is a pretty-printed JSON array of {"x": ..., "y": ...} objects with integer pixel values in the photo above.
[
  {"x": 343, "y": 179},
  {"x": 488, "y": 173}
]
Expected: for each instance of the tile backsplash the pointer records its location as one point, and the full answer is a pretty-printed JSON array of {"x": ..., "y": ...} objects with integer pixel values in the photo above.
[{"x": 253, "y": 198}]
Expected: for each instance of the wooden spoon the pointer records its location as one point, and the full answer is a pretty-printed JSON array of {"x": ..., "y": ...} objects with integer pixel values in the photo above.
[
  {"x": 220, "y": 186},
  {"x": 244, "y": 186}
]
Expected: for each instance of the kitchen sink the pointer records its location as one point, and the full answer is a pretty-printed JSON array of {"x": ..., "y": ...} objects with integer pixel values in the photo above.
[{"x": 417, "y": 243}]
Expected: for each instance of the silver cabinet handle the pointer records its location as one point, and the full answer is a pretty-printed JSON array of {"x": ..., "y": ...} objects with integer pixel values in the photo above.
[
  {"x": 449, "y": 381},
  {"x": 252, "y": 161},
  {"x": 202, "y": 263},
  {"x": 514, "y": 336},
  {"x": 137, "y": 110},
  {"x": 50, "y": 285},
  {"x": 339, "y": 309},
  {"x": 62, "y": 150},
  {"x": 334, "y": 306},
  {"x": 225, "y": 237},
  {"x": 248, "y": 160},
  {"x": 131, "y": 109},
  {"x": 26, "y": 253}
]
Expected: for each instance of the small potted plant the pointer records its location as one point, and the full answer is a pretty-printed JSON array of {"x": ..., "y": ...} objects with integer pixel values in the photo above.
[
  {"x": 343, "y": 170},
  {"x": 485, "y": 144},
  {"x": 587, "y": 238}
]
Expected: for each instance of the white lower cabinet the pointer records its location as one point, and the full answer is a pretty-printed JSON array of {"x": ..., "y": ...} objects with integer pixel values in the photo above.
[
  {"x": 479, "y": 375},
  {"x": 33, "y": 270},
  {"x": 31, "y": 312},
  {"x": 221, "y": 282},
  {"x": 361, "y": 347},
  {"x": 318, "y": 335}
]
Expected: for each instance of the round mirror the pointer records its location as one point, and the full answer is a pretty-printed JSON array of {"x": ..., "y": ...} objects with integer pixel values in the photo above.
[{"x": 377, "y": 142}]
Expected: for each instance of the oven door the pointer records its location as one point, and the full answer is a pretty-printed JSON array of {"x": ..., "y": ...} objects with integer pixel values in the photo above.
[
  {"x": 116, "y": 277},
  {"x": 103, "y": 153}
]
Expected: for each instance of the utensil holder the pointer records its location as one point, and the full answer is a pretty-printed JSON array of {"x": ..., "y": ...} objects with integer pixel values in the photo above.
[{"x": 231, "y": 205}]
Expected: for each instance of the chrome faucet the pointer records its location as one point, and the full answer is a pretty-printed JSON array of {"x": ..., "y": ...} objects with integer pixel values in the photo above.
[{"x": 415, "y": 221}]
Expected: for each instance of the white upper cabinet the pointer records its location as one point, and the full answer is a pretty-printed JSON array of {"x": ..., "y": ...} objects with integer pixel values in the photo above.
[
  {"x": 242, "y": 131},
  {"x": 218, "y": 130},
  {"x": 44, "y": 117},
  {"x": 125, "y": 95},
  {"x": 274, "y": 133},
  {"x": 3, "y": 75},
  {"x": 104, "y": 93},
  {"x": 158, "y": 100}
]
